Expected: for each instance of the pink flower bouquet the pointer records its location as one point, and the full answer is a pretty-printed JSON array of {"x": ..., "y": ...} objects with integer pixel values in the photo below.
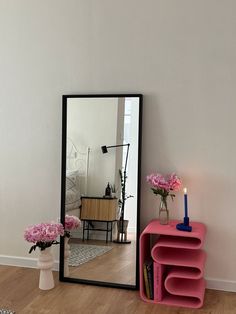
[
  {"x": 71, "y": 223},
  {"x": 164, "y": 185},
  {"x": 43, "y": 235}
]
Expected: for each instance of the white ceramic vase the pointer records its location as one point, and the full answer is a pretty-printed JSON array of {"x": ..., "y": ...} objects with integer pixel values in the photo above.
[
  {"x": 45, "y": 264},
  {"x": 66, "y": 256}
]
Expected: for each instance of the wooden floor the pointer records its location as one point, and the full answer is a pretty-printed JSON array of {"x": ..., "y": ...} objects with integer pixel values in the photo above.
[
  {"x": 117, "y": 266},
  {"x": 19, "y": 291}
]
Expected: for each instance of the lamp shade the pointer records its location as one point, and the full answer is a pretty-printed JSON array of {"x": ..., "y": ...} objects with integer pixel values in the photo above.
[{"x": 104, "y": 149}]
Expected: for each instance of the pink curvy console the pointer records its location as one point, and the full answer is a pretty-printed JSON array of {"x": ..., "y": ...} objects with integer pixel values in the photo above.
[{"x": 178, "y": 263}]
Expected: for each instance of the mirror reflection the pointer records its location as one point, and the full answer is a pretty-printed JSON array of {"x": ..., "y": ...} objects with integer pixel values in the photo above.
[{"x": 101, "y": 188}]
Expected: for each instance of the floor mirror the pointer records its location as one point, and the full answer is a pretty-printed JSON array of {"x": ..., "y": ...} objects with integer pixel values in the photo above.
[{"x": 100, "y": 189}]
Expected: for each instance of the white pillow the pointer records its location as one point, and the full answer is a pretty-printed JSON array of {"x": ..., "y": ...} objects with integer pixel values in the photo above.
[
  {"x": 72, "y": 180},
  {"x": 72, "y": 190}
]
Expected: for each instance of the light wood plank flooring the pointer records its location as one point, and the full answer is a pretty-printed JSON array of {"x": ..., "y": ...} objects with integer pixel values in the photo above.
[
  {"x": 117, "y": 266},
  {"x": 19, "y": 291}
]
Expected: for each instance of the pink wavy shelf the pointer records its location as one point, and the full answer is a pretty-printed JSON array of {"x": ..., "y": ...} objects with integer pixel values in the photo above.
[
  {"x": 183, "y": 242},
  {"x": 179, "y": 257},
  {"x": 185, "y": 287},
  {"x": 185, "y": 272},
  {"x": 178, "y": 263}
]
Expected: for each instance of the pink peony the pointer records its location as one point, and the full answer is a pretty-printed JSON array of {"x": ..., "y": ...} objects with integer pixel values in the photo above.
[
  {"x": 72, "y": 222},
  {"x": 163, "y": 185},
  {"x": 44, "y": 232},
  {"x": 174, "y": 182}
]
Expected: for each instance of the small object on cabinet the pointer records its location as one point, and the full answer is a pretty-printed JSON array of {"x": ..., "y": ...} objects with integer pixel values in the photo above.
[
  {"x": 113, "y": 191},
  {"x": 108, "y": 190}
]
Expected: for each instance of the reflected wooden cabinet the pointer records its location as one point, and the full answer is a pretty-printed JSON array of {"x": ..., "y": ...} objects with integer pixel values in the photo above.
[{"x": 96, "y": 208}]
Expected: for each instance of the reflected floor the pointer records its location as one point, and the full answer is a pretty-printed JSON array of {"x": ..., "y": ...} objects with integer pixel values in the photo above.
[{"x": 116, "y": 266}]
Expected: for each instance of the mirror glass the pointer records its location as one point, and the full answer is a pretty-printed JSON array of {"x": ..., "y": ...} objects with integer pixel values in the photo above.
[{"x": 100, "y": 186}]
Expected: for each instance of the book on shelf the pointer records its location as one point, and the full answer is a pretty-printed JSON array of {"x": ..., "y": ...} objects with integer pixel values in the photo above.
[
  {"x": 158, "y": 270},
  {"x": 148, "y": 278},
  {"x": 146, "y": 281}
]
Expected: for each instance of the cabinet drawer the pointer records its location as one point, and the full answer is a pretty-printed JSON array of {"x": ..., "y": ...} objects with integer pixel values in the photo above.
[{"x": 98, "y": 209}]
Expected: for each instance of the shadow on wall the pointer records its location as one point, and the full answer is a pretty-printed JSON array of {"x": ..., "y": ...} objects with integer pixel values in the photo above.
[
  {"x": 155, "y": 156},
  {"x": 210, "y": 194}
]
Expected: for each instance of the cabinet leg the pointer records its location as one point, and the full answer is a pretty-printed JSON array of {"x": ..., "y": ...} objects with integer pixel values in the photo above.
[
  {"x": 83, "y": 228},
  {"x": 111, "y": 231},
  {"x": 88, "y": 231},
  {"x": 107, "y": 233}
]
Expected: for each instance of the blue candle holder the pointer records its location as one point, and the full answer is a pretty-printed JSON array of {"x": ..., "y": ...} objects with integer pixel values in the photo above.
[
  {"x": 186, "y": 221},
  {"x": 185, "y": 225}
]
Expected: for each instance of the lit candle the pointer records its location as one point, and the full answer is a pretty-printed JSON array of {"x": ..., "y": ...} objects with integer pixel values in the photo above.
[{"x": 185, "y": 202}]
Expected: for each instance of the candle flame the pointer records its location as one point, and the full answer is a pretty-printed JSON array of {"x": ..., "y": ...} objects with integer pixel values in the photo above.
[{"x": 185, "y": 190}]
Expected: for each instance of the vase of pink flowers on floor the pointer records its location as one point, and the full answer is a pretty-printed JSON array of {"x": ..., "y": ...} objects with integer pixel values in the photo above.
[
  {"x": 164, "y": 186},
  {"x": 43, "y": 236},
  {"x": 71, "y": 223}
]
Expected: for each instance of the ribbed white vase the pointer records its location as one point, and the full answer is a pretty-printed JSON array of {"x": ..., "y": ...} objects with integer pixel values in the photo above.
[
  {"x": 45, "y": 264},
  {"x": 66, "y": 256}
]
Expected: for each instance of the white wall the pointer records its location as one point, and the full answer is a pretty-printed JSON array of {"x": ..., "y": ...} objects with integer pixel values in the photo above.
[
  {"x": 119, "y": 140},
  {"x": 92, "y": 122},
  {"x": 132, "y": 166},
  {"x": 179, "y": 54}
]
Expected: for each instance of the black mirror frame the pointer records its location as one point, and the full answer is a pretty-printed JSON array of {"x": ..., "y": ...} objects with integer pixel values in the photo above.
[{"x": 63, "y": 188}]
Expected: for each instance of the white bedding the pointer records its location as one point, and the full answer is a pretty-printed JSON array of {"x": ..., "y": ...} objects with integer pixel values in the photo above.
[{"x": 73, "y": 193}]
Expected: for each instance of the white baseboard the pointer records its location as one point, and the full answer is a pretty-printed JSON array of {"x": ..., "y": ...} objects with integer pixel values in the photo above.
[
  {"x": 28, "y": 262},
  {"x": 212, "y": 283},
  {"x": 219, "y": 284}
]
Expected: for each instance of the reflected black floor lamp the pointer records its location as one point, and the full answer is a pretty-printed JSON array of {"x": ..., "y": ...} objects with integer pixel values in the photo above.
[{"x": 123, "y": 239}]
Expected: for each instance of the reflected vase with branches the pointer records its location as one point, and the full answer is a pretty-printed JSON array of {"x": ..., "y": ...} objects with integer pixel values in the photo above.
[{"x": 122, "y": 224}]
